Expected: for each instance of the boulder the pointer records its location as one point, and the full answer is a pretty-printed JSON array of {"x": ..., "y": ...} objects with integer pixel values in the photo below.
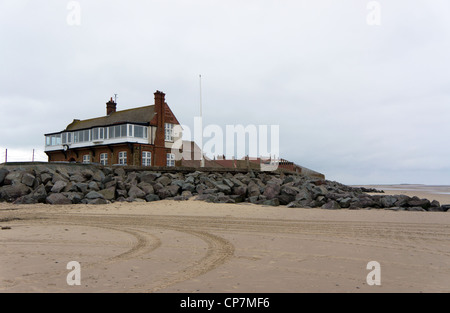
[
  {"x": 271, "y": 202},
  {"x": 98, "y": 201},
  {"x": 82, "y": 187},
  {"x": 146, "y": 187},
  {"x": 108, "y": 193},
  {"x": 92, "y": 185},
  {"x": 188, "y": 187},
  {"x": 77, "y": 178},
  {"x": 240, "y": 190},
  {"x": 45, "y": 178},
  {"x": 119, "y": 171},
  {"x": 3, "y": 173},
  {"x": 39, "y": 194},
  {"x": 402, "y": 200},
  {"x": 94, "y": 195},
  {"x": 149, "y": 177},
  {"x": 58, "y": 186},
  {"x": 151, "y": 197},
  {"x": 253, "y": 189},
  {"x": 223, "y": 188},
  {"x": 168, "y": 191},
  {"x": 135, "y": 192},
  {"x": 344, "y": 202},
  {"x": 416, "y": 202},
  {"x": 331, "y": 205},
  {"x": 164, "y": 180},
  {"x": 28, "y": 179},
  {"x": 12, "y": 192},
  {"x": 435, "y": 204},
  {"x": 58, "y": 198},
  {"x": 388, "y": 201},
  {"x": 13, "y": 178},
  {"x": 98, "y": 176},
  {"x": 74, "y": 197}
]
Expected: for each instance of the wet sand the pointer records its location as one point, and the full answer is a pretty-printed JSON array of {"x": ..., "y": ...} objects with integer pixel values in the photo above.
[{"x": 194, "y": 246}]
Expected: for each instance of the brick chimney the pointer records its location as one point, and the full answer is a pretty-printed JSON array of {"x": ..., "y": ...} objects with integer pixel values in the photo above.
[
  {"x": 110, "y": 107},
  {"x": 160, "y": 157}
]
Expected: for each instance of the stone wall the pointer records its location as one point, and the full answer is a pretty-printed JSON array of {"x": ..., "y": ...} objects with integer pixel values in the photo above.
[{"x": 55, "y": 183}]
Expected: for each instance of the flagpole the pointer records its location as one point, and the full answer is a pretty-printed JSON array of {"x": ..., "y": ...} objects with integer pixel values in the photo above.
[{"x": 202, "y": 161}]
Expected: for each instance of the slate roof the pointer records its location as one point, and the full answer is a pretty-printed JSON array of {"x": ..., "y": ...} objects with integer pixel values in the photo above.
[{"x": 141, "y": 115}]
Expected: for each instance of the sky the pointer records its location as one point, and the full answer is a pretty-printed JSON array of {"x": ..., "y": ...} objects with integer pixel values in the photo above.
[{"x": 360, "y": 89}]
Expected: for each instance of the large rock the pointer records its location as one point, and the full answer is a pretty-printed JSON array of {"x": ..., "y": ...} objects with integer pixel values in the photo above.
[
  {"x": 149, "y": 177},
  {"x": 58, "y": 198},
  {"x": 13, "y": 178},
  {"x": 188, "y": 187},
  {"x": 388, "y": 201},
  {"x": 59, "y": 186},
  {"x": 416, "y": 202},
  {"x": 46, "y": 177},
  {"x": 135, "y": 192},
  {"x": 164, "y": 180},
  {"x": 151, "y": 197},
  {"x": 146, "y": 187},
  {"x": 223, "y": 188},
  {"x": 109, "y": 193},
  {"x": 331, "y": 205},
  {"x": 12, "y": 192},
  {"x": 253, "y": 189},
  {"x": 28, "y": 179},
  {"x": 169, "y": 191},
  {"x": 3, "y": 173},
  {"x": 272, "y": 190},
  {"x": 240, "y": 190},
  {"x": 94, "y": 195}
]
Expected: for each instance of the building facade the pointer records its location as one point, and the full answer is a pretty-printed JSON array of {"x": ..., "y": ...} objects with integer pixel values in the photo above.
[{"x": 141, "y": 136}]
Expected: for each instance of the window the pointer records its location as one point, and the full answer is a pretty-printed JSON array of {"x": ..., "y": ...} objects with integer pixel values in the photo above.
[
  {"x": 168, "y": 132},
  {"x": 94, "y": 134},
  {"x": 104, "y": 158},
  {"x": 146, "y": 158},
  {"x": 112, "y": 134},
  {"x": 138, "y": 131},
  {"x": 69, "y": 137},
  {"x": 53, "y": 140},
  {"x": 170, "y": 159},
  {"x": 123, "y": 158},
  {"x": 123, "y": 130},
  {"x": 86, "y": 158}
]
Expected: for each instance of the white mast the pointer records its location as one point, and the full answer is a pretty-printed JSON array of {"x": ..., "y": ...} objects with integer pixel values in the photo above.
[{"x": 202, "y": 160}]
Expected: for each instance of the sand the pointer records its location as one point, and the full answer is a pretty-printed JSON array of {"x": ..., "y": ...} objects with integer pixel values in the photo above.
[{"x": 194, "y": 246}]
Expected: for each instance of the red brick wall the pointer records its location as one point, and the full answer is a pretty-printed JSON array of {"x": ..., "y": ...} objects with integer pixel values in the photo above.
[{"x": 133, "y": 157}]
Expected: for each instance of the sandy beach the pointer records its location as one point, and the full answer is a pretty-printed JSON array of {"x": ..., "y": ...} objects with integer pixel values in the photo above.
[{"x": 193, "y": 246}]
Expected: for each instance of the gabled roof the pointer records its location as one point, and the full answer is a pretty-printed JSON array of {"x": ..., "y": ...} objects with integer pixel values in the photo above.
[{"x": 141, "y": 115}]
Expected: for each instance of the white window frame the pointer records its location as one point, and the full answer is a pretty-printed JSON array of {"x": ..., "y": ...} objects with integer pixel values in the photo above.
[
  {"x": 86, "y": 158},
  {"x": 104, "y": 158},
  {"x": 146, "y": 158},
  {"x": 168, "y": 132},
  {"x": 170, "y": 160},
  {"x": 122, "y": 158}
]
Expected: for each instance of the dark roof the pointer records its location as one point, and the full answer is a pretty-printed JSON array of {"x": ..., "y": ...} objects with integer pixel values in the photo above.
[{"x": 142, "y": 115}]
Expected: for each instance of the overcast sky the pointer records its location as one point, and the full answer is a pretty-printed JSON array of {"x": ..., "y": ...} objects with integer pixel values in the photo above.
[{"x": 360, "y": 102}]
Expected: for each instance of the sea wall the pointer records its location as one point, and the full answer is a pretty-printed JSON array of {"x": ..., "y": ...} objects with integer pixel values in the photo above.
[{"x": 62, "y": 183}]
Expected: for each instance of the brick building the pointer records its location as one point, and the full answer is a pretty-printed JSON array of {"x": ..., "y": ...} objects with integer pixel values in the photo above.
[{"x": 140, "y": 136}]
